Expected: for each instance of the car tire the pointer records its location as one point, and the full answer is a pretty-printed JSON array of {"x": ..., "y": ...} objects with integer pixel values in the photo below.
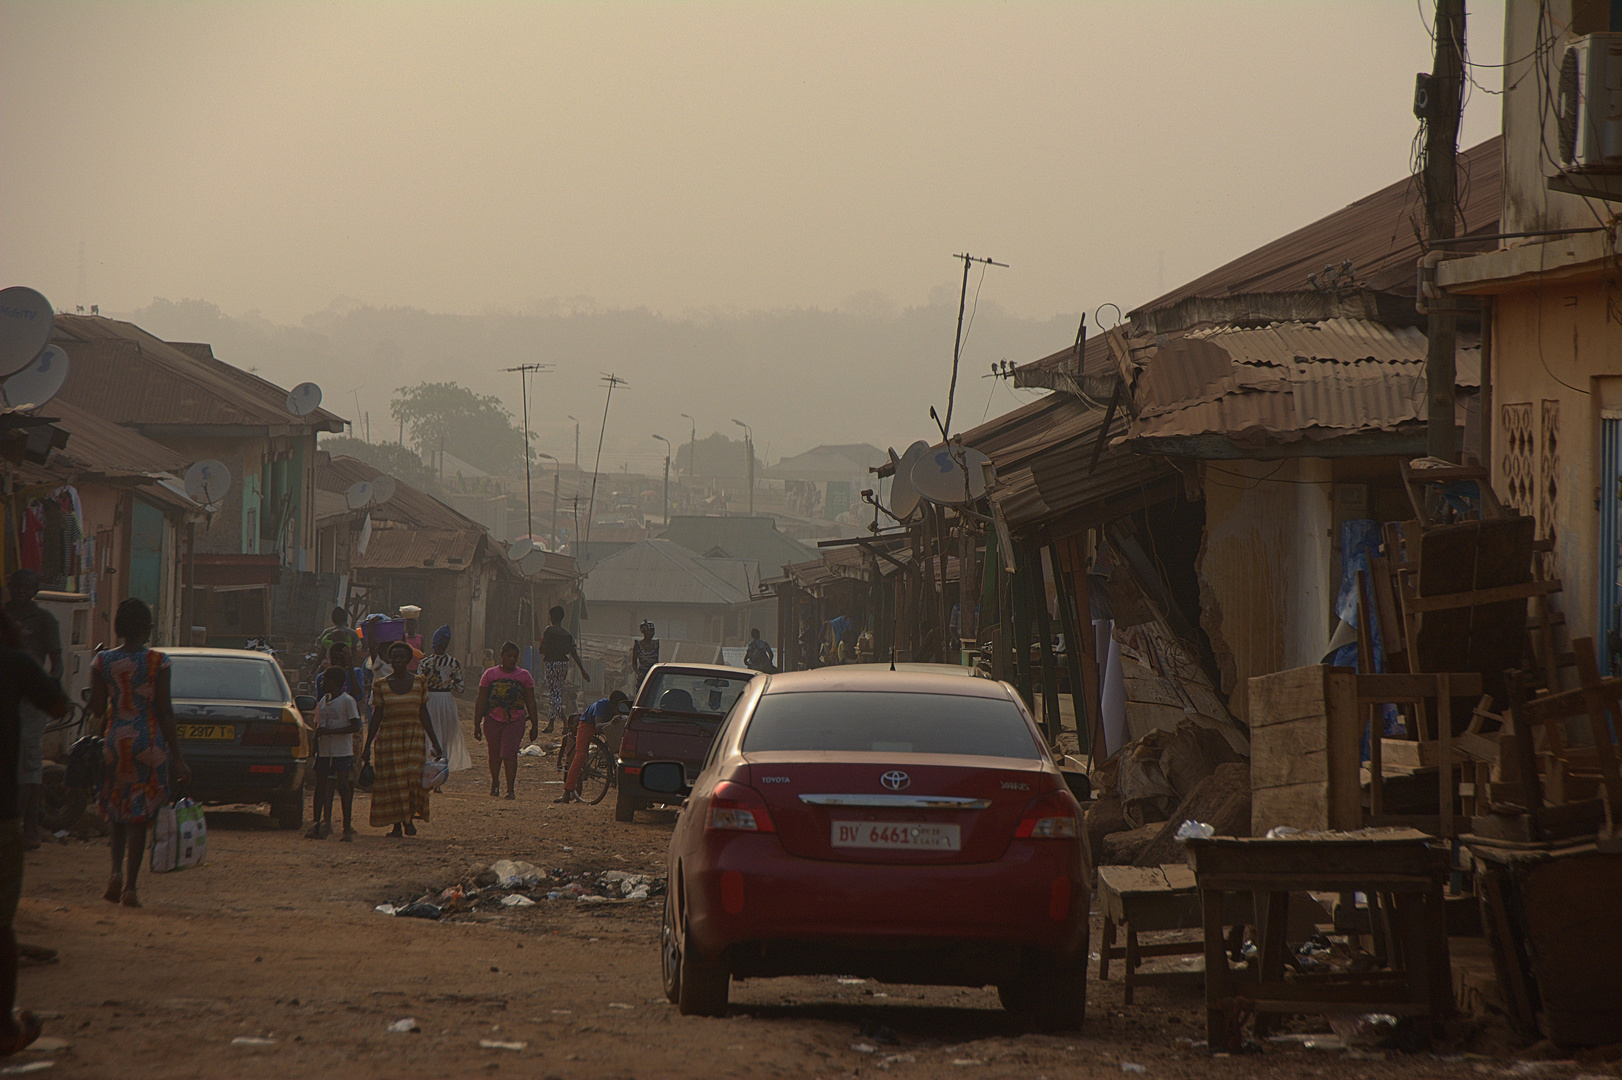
[
  {"x": 625, "y": 807},
  {"x": 1047, "y": 996},
  {"x": 695, "y": 988},
  {"x": 289, "y": 814}
]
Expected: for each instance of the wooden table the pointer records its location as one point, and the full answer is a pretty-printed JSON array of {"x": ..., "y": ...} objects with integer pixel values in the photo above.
[
  {"x": 1400, "y": 870},
  {"x": 1137, "y": 899}
]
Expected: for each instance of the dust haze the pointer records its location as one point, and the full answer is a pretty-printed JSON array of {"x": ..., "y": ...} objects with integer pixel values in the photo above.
[{"x": 743, "y": 209}]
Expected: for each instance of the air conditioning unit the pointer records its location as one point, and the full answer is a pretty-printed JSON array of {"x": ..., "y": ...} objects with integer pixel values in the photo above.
[{"x": 1589, "y": 103}]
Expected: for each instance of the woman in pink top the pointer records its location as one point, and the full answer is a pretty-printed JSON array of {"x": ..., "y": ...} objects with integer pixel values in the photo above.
[{"x": 506, "y": 699}]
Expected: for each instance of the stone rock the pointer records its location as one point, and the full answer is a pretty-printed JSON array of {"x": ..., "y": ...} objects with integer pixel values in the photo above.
[
  {"x": 1221, "y": 800},
  {"x": 1122, "y": 848},
  {"x": 1100, "y": 818}
]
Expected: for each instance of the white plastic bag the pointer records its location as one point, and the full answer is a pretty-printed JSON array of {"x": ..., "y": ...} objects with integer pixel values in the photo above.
[
  {"x": 193, "y": 827},
  {"x": 434, "y": 773},
  {"x": 165, "y": 840}
]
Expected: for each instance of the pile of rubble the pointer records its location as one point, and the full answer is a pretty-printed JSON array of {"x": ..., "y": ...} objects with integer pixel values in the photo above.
[{"x": 507, "y": 884}]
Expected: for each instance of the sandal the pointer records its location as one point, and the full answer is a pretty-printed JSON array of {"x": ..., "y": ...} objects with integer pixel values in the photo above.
[
  {"x": 115, "y": 889},
  {"x": 28, "y": 1030},
  {"x": 129, "y": 899}
]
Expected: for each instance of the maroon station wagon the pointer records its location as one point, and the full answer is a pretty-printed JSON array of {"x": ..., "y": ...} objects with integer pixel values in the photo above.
[{"x": 673, "y": 719}]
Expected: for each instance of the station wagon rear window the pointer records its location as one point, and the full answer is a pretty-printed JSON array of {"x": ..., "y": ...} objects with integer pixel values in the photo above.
[
  {"x": 226, "y": 678},
  {"x": 845, "y": 721},
  {"x": 691, "y": 692}
]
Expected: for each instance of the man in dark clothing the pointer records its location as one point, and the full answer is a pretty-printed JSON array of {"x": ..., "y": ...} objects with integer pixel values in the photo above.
[
  {"x": 21, "y": 680},
  {"x": 41, "y": 639},
  {"x": 557, "y": 649},
  {"x": 757, "y": 654}
]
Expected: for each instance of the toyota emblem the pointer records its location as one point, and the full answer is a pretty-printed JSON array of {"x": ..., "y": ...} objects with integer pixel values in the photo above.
[{"x": 895, "y": 780}]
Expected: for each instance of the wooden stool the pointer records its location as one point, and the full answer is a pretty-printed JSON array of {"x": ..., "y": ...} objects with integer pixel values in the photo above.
[{"x": 1153, "y": 898}]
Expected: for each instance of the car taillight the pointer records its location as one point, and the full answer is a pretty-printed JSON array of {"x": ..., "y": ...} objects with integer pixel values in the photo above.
[
  {"x": 1049, "y": 817},
  {"x": 739, "y": 808},
  {"x": 628, "y": 744},
  {"x": 271, "y": 733}
]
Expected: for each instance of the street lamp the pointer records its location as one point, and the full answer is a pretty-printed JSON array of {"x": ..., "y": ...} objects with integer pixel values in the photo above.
[
  {"x": 666, "y": 441},
  {"x": 692, "y": 450},
  {"x": 576, "y": 445},
  {"x": 749, "y": 449},
  {"x": 556, "y": 465}
]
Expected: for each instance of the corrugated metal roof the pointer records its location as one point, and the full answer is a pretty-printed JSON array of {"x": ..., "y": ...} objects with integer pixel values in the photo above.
[
  {"x": 122, "y": 373},
  {"x": 664, "y": 572},
  {"x": 420, "y": 549},
  {"x": 838, "y": 462},
  {"x": 1286, "y": 381},
  {"x": 754, "y": 538},
  {"x": 100, "y": 444},
  {"x": 1375, "y": 234},
  {"x": 408, "y": 507}
]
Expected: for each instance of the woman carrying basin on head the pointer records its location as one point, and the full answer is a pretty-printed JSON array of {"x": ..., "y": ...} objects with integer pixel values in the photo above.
[{"x": 399, "y": 721}]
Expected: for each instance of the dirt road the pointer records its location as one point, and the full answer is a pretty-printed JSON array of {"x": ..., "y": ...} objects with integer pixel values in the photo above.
[{"x": 276, "y": 941}]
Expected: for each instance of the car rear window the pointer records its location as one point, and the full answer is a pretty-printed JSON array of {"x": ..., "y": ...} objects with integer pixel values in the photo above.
[
  {"x": 691, "y": 692},
  {"x": 890, "y": 723},
  {"x": 226, "y": 678}
]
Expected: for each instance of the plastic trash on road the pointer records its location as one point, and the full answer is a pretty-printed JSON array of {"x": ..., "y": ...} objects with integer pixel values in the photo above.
[
  {"x": 406, "y": 1026},
  {"x": 515, "y": 900}
]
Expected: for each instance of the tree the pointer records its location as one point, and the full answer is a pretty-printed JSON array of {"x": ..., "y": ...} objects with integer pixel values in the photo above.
[
  {"x": 475, "y": 427},
  {"x": 398, "y": 461}
]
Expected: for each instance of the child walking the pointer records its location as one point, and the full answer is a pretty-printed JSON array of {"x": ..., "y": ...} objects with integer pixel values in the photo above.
[{"x": 337, "y": 719}]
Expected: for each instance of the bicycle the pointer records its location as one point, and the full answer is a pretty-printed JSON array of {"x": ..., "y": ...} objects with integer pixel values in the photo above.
[
  {"x": 601, "y": 771},
  {"x": 60, "y": 806}
]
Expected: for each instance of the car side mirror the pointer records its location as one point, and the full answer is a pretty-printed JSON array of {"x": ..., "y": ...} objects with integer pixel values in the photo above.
[
  {"x": 305, "y": 703},
  {"x": 665, "y": 778},
  {"x": 1080, "y": 785}
]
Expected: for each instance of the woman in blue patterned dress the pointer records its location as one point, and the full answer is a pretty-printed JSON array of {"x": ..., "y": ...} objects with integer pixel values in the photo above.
[{"x": 130, "y": 685}]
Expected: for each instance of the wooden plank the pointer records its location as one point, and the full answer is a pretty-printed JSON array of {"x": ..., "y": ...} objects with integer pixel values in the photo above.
[
  {"x": 1413, "y": 754},
  {"x": 1300, "y": 806},
  {"x": 1308, "y": 736},
  {"x": 1479, "y": 747},
  {"x": 1295, "y": 694},
  {"x": 1399, "y": 687},
  {"x": 1272, "y": 769},
  {"x": 1344, "y": 737},
  {"x": 1496, "y": 594}
]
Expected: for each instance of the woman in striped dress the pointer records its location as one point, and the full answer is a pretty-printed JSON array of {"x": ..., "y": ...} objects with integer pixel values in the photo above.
[
  {"x": 444, "y": 674},
  {"x": 399, "y": 721}
]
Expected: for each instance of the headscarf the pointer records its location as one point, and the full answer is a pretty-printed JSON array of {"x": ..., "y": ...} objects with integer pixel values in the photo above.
[{"x": 442, "y": 636}]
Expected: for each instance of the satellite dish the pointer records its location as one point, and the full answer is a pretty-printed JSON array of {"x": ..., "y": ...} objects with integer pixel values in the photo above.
[
  {"x": 304, "y": 399},
  {"x": 903, "y": 495},
  {"x": 358, "y": 495},
  {"x": 382, "y": 488},
  {"x": 207, "y": 482},
  {"x": 519, "y": 548},
  {"x": 939, "y": 478},
  {"x": 26, "y": 323},
  {"x": 365, "y": 536},
  {"x": 39, "y": 382}
]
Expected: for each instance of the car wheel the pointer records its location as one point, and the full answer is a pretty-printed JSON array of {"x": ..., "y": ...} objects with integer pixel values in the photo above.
[
  {"x": 625, "y": 803},
  {"x": 696, "y": 988},
  {"x": 289, "y": 814},
  {"x": 1047, "y": 996}
]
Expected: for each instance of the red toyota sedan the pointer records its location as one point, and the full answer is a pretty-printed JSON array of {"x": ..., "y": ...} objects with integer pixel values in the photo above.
[{"x": 909, "y": 827}]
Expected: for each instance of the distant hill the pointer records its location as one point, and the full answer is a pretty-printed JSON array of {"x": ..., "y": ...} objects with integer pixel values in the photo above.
[{"x": 799, "y": 377}]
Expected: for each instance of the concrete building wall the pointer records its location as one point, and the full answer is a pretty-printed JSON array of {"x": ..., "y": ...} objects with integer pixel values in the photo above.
[{"x": 1265, "y": 589}]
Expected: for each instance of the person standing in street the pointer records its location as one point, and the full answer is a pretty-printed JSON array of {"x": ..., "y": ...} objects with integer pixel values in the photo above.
[
  {"x": 129, "y": 685},
  {"x": 592, "y": 721},
  {"x": 337, "y": 719},
  {"x": 42, "y": 640},
  {"x": 399, "y": 721},
  {"x": 644, "y": 652},
  {"x": 506, "y": 699},
  {"x": 557, "y": 649},
  {"x": 757, "y": 655},
  {"x": 21, "y": 680},
  {"x": 444, "y": 674}
]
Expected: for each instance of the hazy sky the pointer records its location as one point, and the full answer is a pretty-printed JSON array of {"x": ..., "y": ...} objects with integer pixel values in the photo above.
[{"x": 461, "y": 156}]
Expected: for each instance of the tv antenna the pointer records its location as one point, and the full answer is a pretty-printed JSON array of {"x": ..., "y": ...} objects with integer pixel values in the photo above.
[
  {"x": 524, "y": 372},
  {"x": 957, "y": 346},
  {"x": 610, "y": 380}
]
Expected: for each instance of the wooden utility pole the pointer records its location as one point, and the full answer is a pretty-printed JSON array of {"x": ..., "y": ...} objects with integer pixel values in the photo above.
[{"x": 1441, "y": 116}]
